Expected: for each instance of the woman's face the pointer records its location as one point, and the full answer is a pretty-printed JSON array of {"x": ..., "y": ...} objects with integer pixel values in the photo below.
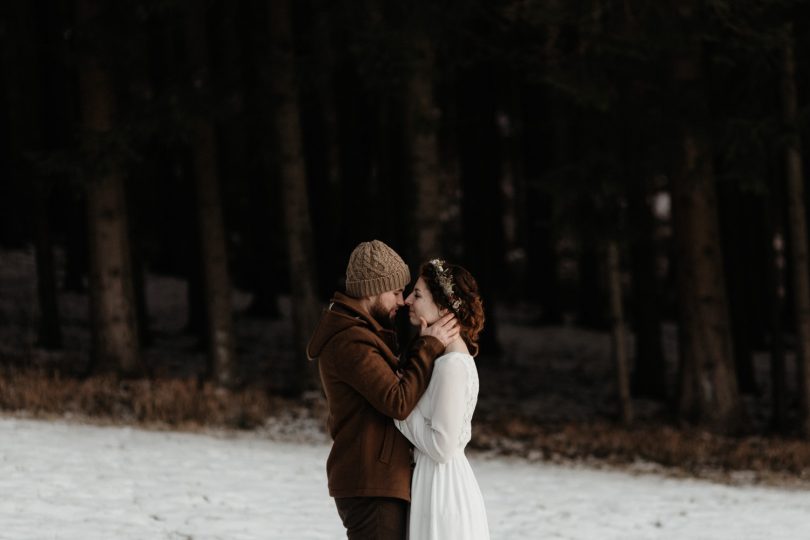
[{"x": 421, "y": 305}]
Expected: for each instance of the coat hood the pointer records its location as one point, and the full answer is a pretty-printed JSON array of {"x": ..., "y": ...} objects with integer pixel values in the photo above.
[{"x": 343, "y": 312}]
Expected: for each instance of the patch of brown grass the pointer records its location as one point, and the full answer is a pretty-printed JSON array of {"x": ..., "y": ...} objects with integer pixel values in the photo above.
[
  {"x": 688, "y": 450},
  {"x": 173, "y": 402}
]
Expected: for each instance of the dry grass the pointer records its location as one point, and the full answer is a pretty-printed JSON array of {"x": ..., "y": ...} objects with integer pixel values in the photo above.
[
  {"x": 685, "y": 451},
  {"x": 173, "y": 402}
]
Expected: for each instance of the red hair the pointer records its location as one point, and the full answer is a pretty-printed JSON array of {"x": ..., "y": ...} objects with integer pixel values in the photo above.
[{"x": 464, "y": 294}]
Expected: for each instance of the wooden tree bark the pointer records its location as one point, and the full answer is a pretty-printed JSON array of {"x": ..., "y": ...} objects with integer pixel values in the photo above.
[
  {"x": 423, "y": 118},
  {"x": 111, "y": 294},
  {"x": 264, "y": 266},
  {"x": 798, "y": 226},
  {"x": 708, "y": 390},
  {"x": 295, "y": 198},
  {"x": 618, "y": 332},
  {"x": 111, "y": 298},
  {"x": 216, "y": 279}
]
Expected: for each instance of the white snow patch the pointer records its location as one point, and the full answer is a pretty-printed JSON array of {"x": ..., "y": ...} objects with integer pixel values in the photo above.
[{"x": 72, "y": 481}]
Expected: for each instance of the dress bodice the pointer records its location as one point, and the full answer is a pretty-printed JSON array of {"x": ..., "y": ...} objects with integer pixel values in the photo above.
[
  {"x": 441, "y": 424},
  {"x": 464, "y": 379}
]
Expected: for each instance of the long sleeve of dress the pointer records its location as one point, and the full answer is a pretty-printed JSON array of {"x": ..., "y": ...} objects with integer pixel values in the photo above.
[{"x": 437, "y": 432}]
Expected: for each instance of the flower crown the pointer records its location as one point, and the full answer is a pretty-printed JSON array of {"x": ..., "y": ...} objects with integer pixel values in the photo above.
[{"x": 445, "y": 279}]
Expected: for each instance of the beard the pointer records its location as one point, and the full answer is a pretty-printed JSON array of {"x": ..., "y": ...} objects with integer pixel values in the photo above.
[{"x": 381, "y": 315}]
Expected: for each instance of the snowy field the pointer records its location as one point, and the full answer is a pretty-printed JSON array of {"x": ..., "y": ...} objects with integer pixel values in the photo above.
[{"x": 64, "y": 480}]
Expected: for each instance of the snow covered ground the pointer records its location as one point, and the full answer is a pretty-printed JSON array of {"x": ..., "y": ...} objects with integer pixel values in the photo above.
[{"x": 74, "y": 481}]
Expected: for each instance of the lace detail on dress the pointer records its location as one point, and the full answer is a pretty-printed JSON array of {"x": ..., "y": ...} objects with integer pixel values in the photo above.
[{"x": 472, "y": 399}]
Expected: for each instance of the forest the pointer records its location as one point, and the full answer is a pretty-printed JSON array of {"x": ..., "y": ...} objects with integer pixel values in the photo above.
[{"x": 627, "y": 167}]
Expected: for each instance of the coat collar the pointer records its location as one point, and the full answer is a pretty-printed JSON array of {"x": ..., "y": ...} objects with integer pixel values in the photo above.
[{"x": 353, "y": 307}]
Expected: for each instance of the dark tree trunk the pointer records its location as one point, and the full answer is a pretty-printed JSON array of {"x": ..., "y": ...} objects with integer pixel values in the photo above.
[
  {"x": 216, "y": 279},
  {"x": 798, "y": 226},
  {"x": 387, "y": 188},
  {"x": 708, "y": 387},
  {"x": 422, "y": 133},
  {"x": 777, "y": 286},
  {"x": 112, "y": 304},
  {"x": 266, "y": 258},
  {"x": 229, "y": 82},
  {"x": 295, "y": 198},
  {"x": 323, "y": 151},
  {"x": 708, "y": 392},
  {"x": 618, "y": 332}
]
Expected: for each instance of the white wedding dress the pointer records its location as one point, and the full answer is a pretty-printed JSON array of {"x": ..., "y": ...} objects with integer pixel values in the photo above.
[{"x": 446, "y": 503}]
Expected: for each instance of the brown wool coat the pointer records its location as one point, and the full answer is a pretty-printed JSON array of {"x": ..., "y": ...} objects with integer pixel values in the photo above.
[{"x": 357, "y": 364}]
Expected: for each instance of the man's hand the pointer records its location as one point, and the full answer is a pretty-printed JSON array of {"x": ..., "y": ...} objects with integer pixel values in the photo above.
[{"x": 445, "y": 329}]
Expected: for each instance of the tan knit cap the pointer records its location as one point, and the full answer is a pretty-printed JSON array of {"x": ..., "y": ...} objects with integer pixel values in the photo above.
[{"x": 375, "y": 268}]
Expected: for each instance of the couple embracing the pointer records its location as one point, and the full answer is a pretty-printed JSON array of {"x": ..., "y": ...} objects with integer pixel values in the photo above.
[{"x": 387, "y": 411}]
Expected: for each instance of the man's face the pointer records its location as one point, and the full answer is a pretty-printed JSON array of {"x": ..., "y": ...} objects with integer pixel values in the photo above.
[{"x": 385, "y": 307}]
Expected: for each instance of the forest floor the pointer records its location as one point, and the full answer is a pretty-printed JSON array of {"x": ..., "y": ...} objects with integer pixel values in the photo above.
[{"x": 550, "y": 397}]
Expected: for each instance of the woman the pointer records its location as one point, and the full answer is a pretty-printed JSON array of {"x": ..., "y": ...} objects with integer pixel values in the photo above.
[{"x": 445, "y": 499}]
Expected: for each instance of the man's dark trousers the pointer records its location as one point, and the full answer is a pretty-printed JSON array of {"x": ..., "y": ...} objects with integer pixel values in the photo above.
[{"x": 373, "y": 518}]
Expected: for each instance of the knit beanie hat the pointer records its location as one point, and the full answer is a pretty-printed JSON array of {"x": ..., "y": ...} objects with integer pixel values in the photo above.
[{"x": 375, "y": 268}]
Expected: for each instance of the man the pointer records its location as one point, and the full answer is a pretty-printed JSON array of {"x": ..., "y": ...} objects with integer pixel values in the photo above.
[{"x": 369, "y": 467}]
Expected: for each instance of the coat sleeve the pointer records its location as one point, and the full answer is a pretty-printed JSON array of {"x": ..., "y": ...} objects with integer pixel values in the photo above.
[
  {"x": 365, "y": 369},
  {"x": 437, "y": 433}
]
